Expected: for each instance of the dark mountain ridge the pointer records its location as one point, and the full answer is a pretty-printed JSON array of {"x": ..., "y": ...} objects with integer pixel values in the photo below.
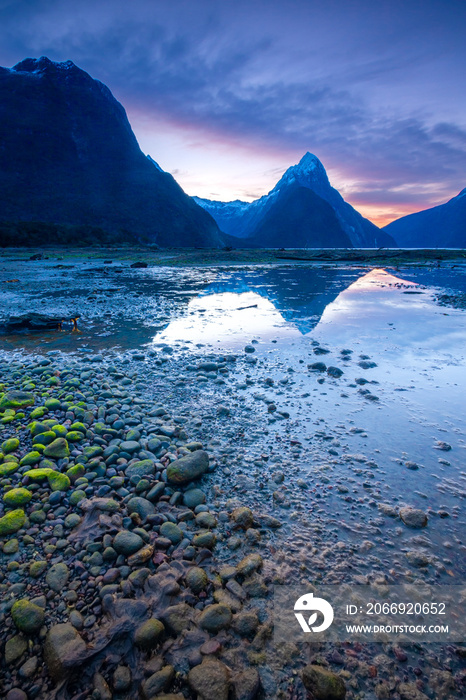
[{"x": 69, "y": 157}]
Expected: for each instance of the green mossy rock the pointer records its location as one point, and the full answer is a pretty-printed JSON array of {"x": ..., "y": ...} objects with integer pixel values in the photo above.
[
  {"x": 204, "y": 539},
  {"x": 92, "y": 451},
  {"x": 37, "y": 568},
  {"x": 36, "y": 427},
  {"x": 8, "y": 468},
  {"x": 58, "y": 449},
  {"x": 58, "y": 481},
  {"x": 172, "y": 532},
  {"x": 215, "y": 617},
  {"x": 53, "y": 404},
  {"x": 11, "y": 546},
  {"x": 197, "y": 580},
  {"x": 39, "y": 474},
  {"x": 38, "y": 412},
  {"x": 60, "y": 430},
  {"x": 44, "y": 438},
  {"x": 30, "y": 458},
  {"x": 148, "y": 634},
  {"x": 187, "y": 468},
  {"x": 75, "y": 472},
  {"x": 10, "y": 445},
  {"x": 50, "y": 423},
  {"x": 80, "y": 427},
  {"x": 75, "y": 436},
  {"x": 17, "y": 497},
  {"x": 27, "y": 617},
  {"x": 15, "y": 648},
  {"x": 17, "y": 399},
  {"x": 77, "y": 496},
  {"x": 323, "y": 684},
  {"x": 12, "y": 522}
]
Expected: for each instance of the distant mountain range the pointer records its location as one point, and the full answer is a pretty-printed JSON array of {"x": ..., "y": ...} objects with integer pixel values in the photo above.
[
  {"x": 68, "y": 157},
  {"x": 72, "y": 172},
  {"x": 302, "y": 210},
  {"x": 440, "y": 227}
]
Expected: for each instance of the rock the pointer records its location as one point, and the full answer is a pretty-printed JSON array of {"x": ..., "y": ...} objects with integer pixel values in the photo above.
[
  {"x": 246, "y": 684},
  {"x": 197, "y": 580},
  {"x": 28, "y": 669},
  {"x": 15, "y": 648},
  {"x": 210, "y": 680},
  {"x": 17, "y": 497},
  {"x": 58, "y": 481},
  {"x": 10, "y": 445},
  {"x": 242, "y": 517},
  {"x": 148, "y": 634},
  {"x": 141, "y": 556},
  {"x": 57, "y": 576},
  {"x": 246, "y": 623},
  {"x": 12, "y": 522},
  {"x": 159, "y": 681},
  {"x": 173, "y": 532},
  {"x": 27, "y": 616},
  {"x": 17, "y": 399},
  {"x": 410, "y": 691},
  {"x": 121, "y": 678},
  {"x": 58, "y": 449},
  {"x": 37, "y": 568},
  {"x": 317, "y": 367},
  {"x": 193, "y": 498},
  {"x": 418, "y": 558},
  {"x": 323, "y": 684},
  {"x": 144, "y": 467},
  {"x": 141, "y": 506},
  {"x": 335, "y": 372},
  {"x": 126, "y": 542},
  {"x": 412, "y": 517},
  {"x": 188, "y": 468},
  {"x": 177, "y": 618},
  {"x": 64, "y": 649},
  {"x": 204, "y": 539},
  {"x": 101, "y": 686},
  {"x": 30, "y": 458},
  {"x": 215, "y": 617},
  {"x": 16, "y": 694},
  {"x": 388, "y": 510},
  {"x": 11, "y": 546},
  {"x": 250, "y": 563}
]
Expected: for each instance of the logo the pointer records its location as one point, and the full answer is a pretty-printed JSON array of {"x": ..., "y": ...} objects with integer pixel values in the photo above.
[{"x": 308, "y": 604}]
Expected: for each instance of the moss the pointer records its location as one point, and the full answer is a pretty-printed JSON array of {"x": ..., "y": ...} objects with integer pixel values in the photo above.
[
  {"x": 78, "y": 426},
  {"x": 30, "y": 458},
  {"x": 39, "y": 474},
  {"x": 10, "y": 445},
  {"x": 16, "y": 399},
  {"x": 27, "y": 617},
  {"x": 44, "y": 438},
  {"x": 53, "y": 404},
  {"x": 38, "y": 412},
  {"x": 77, "y": 496},
  {"x": 36, "y": 427},
  {"x": 75, "y": 436},
  {"x": 59, "y": 430},
  {"x": 75, "y": 472},
  {"x": 58, "y": 482},
  {"x": 37, "y": 568},
  {"x": 17, "y": 497},
  {"x": 57, "y": 449},
  {"x": 12, "y": 522},
  {"x": 8, "y": 468}
]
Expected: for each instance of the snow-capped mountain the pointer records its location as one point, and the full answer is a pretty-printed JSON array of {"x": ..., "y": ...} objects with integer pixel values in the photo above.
[
  {"x": 443, "y": 226},
  {"x": 243, "y": 219},
  {"x": 69, "y": 158}
]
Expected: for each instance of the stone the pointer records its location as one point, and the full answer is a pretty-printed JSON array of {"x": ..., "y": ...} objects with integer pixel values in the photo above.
[
  {"x": 141, "y": 506},
  {"x": 250, "y": 563},
  {"x": 246, "y": 623},
  {"x": 58, "y": 449},
  {"x": 178, "y": 617},
  {"x": 215, "y": 617},
  {"x": 144, "y": 467},
  {"x": 323, "y": 684},
  {"x": 210, "y": 680},
  {"x": 121, "y": 678},
  {"x": 30, "y": 458},
  {"x": 58, "y": 481},
  {"x": 172, "y": 531},
  {"x": 130, "y": 446},
  {"x": 188, "y": 468},
  {"x": 16, "y": 694},
  {"x": 197, "y": 580},
  {"x": 204, "y": 539},
  {"x": 12, "y": 522},
  {"x": 141, "y": 556},
  {"x": 335, "y": 372},
  {"x": 57, "y": 576},
  {"x": 10, "y": 445},
  {"x": 17, "y": 497},
  {"x": 101, "y": 686},
  {"x": 37, "y": 568},
  {"x": 64, "y": 649},
  {"x": 27, "y": 616},
  {"x": 242, "y": 517},
  {"x": 246, "y": 684},
  {"x": 126, "y": 542},
  {"x": 17, "y": 399},
  {"x": 15, "y": 648},
  {"x": 11, "y": 546},
  {"x": 413, "y": 517},
  {"x": 159, "y": 681},
  {"x": 193, "y": 498}
]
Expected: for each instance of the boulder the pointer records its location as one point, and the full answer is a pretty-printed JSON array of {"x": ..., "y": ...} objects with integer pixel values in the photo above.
[
  {"x": 210, "y": 680},
  {"x": 64, "y": 649},
  {"x": 323, "y": 684},
  {"x": 188, "y": 468}
]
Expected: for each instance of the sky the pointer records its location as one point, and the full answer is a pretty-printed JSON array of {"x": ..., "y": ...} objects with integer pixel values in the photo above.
[{"x": 226, "y": 94}]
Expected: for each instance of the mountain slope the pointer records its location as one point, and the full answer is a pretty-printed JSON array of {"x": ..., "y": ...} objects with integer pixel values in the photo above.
[
  {"x": 241, "y": 219},
  {"x": 68, "y": 156},
  {"x": 440, "y": 227}
]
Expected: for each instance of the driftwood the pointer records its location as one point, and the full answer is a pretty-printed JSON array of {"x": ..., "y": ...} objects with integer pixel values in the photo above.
[{"x": 37, "y": 322}]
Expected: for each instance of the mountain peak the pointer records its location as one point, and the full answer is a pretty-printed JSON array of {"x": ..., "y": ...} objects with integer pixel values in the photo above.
[
  {"x": 309, "y": 172},
  {"x": 44, "y": 65},
  {"x": 461, "y": 194}
]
